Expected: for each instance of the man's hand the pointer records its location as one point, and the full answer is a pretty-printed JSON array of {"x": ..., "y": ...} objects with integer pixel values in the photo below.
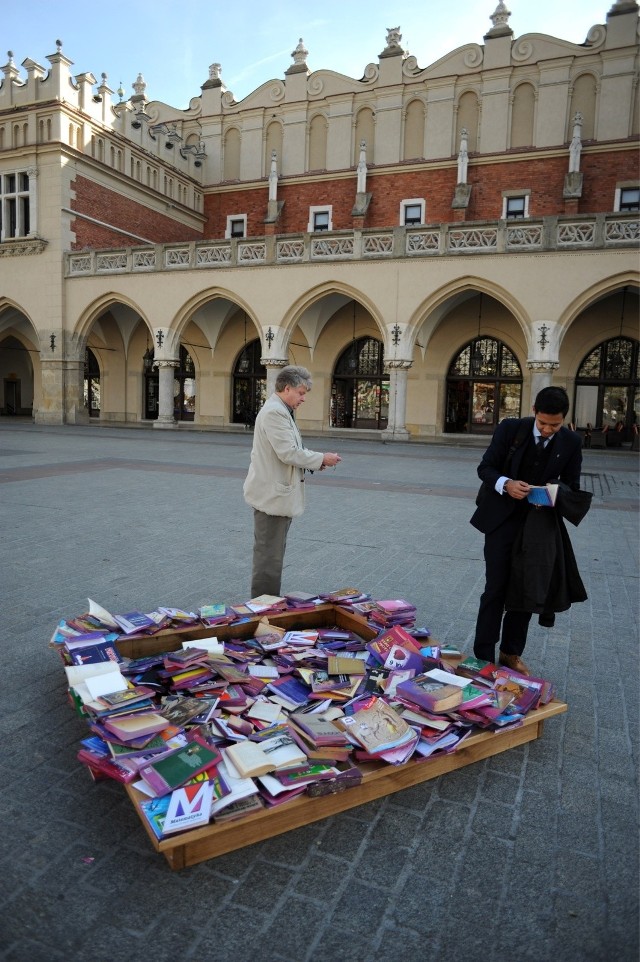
[
  {"x": 517, "y": 489},
  {"x": 330, "y": 460}
]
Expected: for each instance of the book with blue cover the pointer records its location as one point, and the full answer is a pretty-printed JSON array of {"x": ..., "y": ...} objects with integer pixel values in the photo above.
[{"x": 543, "y": 495}]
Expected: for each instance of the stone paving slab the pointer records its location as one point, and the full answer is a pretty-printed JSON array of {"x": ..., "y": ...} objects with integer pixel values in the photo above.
[{"x": 530, "y": 853}]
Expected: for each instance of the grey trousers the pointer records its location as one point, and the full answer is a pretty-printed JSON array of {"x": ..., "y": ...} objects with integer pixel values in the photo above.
[{"x": 269, "y": 544}]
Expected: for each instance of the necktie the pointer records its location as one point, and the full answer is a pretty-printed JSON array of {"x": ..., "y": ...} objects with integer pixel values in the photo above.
[{"x": 540, "y": 445}]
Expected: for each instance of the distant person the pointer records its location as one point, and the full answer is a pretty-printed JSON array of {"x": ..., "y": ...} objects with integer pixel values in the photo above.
[
  {"x": 274, "y": 486},
  {"x": 523, "y": 452}
]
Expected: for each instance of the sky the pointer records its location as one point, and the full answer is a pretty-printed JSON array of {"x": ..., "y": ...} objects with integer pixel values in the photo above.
[{"x": 172, "y": 44}]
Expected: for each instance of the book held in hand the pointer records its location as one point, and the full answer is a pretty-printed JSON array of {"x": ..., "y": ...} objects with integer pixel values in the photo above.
[{"x": 543, "y": 495}]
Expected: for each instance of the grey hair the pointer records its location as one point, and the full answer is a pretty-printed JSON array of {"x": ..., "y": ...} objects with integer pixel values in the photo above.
[{"x": 294, "y": 376}]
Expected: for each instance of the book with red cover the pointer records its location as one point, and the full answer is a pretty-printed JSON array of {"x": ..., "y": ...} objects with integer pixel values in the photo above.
[{"x": 382, "y": 646}]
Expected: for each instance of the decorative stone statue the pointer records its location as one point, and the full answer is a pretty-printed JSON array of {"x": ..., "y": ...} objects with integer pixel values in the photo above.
[
  {"x": 463, "y": 156},
  {"x": 362, "y": 168},
  {"x": 273, "y": 177},
  {"x": 576, "y": 144}
]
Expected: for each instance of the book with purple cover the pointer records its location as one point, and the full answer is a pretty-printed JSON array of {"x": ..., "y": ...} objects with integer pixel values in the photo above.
[{"x": 436, "y": 696}]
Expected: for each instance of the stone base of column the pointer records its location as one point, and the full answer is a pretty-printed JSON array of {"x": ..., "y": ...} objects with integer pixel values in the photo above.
[
  {"x": 164, "y": 422},
  {"x": 396, "y": 434}
]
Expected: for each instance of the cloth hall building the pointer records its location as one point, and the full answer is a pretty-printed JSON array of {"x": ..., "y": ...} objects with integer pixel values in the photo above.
[{"x": 434, "y": 243}]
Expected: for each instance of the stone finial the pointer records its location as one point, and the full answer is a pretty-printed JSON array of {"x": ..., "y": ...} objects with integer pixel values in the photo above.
[
  {"x": 58, "y": 46},
  {"x": 300, "y": 54},
  {"x": 393, "y": 36},
  {"x": 500, "y": 20},
  {"x": 623, "y": 6},
  {"x": 10, "y": 70},
  {"x": 393, "y": 48},
  {"x": 139, "y": 87},
  {"x": 215, "y": 78}
]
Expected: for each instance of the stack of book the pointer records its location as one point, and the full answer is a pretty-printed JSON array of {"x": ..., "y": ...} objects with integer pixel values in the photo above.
[
  {"x": 394, "y": 611},
  {"x": 216, "y": 730}
]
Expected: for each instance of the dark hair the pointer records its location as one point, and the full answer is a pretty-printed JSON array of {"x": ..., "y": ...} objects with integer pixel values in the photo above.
[{"x": 552, "y": 400}]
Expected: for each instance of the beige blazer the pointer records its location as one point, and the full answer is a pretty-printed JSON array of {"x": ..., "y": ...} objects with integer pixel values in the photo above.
[{"x": 274, "y": 483}]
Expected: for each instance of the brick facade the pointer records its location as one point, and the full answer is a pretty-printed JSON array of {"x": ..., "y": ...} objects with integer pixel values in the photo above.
[{"x": 113, "y": 208}]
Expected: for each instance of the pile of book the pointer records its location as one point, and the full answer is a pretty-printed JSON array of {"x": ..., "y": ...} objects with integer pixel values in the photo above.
[{"x": 215, "y": 730}]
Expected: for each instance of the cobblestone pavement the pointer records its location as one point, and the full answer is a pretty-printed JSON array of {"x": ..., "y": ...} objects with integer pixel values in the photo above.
[{"x": 530, "y": 854}]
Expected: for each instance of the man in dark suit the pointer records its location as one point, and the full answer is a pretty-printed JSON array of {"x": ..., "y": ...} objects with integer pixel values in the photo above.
[{"x": 523, "y": 452}]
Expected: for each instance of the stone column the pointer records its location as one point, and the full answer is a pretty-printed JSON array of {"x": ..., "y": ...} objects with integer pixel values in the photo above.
[
  {"x": 165, "y": 394},
  {"x": 273, "y": 366},
  {"x": 396, "y": 430},
  {"x": 75, "y": 410},
  {"x": 541, "y": 374},
  {"x": 51, "y": 407}
]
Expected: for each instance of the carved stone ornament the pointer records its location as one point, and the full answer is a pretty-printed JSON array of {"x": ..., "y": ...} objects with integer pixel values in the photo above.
[
  {"x": 398, "y": 364},
  {"x": 543, "y": 365},
  {"x": 274, "y": 361},
  {"x": 20, "y": 248}
]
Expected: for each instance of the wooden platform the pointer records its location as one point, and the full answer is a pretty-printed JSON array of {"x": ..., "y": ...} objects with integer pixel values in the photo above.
[{"x": 379, "y": 779}]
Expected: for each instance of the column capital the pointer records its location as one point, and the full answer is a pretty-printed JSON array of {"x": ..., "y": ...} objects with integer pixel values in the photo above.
[
  {"x": 398, "y": 364},
  {"x": 543, "y": 365},
  {"x": 274, "y": 361}
]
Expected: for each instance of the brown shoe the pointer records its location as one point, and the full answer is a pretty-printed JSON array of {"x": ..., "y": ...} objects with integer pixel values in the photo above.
[{"x": 514, "y": 662}]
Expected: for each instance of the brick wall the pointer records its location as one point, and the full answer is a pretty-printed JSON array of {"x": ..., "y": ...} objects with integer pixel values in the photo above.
[
  {"x": 112, "y": 208},
  {"x": 543, "y": 176}
]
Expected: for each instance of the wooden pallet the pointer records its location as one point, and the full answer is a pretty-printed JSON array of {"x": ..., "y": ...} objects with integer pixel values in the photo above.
[{"x": 379, "y": 779}]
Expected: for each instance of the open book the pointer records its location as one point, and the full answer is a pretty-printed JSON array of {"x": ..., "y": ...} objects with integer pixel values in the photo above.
[{"x": 543, "y": 495}]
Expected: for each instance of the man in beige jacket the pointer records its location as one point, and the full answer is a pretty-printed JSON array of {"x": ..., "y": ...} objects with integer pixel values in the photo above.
[{"x": 274, "y": 486}]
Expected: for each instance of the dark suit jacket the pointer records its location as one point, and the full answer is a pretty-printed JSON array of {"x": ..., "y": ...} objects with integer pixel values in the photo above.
[{"x": 563, "y": 465}]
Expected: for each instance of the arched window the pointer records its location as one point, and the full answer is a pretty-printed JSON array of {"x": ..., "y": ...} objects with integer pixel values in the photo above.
[
  {"x": 484, "y": 385},
  {"x": 608, "y": 387},
  {"x": 360, "y": 387},
  {"x": 91, "y": 384},
  {"x": 249, "y": 384},
  {"x": 184, "y": 388}
]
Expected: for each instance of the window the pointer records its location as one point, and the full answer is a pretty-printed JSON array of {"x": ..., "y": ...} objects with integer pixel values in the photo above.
[
  {"x": 484, "y": 385},
  {"x": 360, "y": 387},
  {"x": 515, "y": 206},
  {"x": 627, "y": 199},
  {"x": 249, "y": 384},
  {"x": 15, "y": 213},
  {"x": 319, "y": 219},
  {"x": 236, "y": 225},
  {"x": 412, "y": 212}
]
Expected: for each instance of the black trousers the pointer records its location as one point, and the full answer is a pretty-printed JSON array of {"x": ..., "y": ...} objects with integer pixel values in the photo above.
[{"x": 494, "y": 624}]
